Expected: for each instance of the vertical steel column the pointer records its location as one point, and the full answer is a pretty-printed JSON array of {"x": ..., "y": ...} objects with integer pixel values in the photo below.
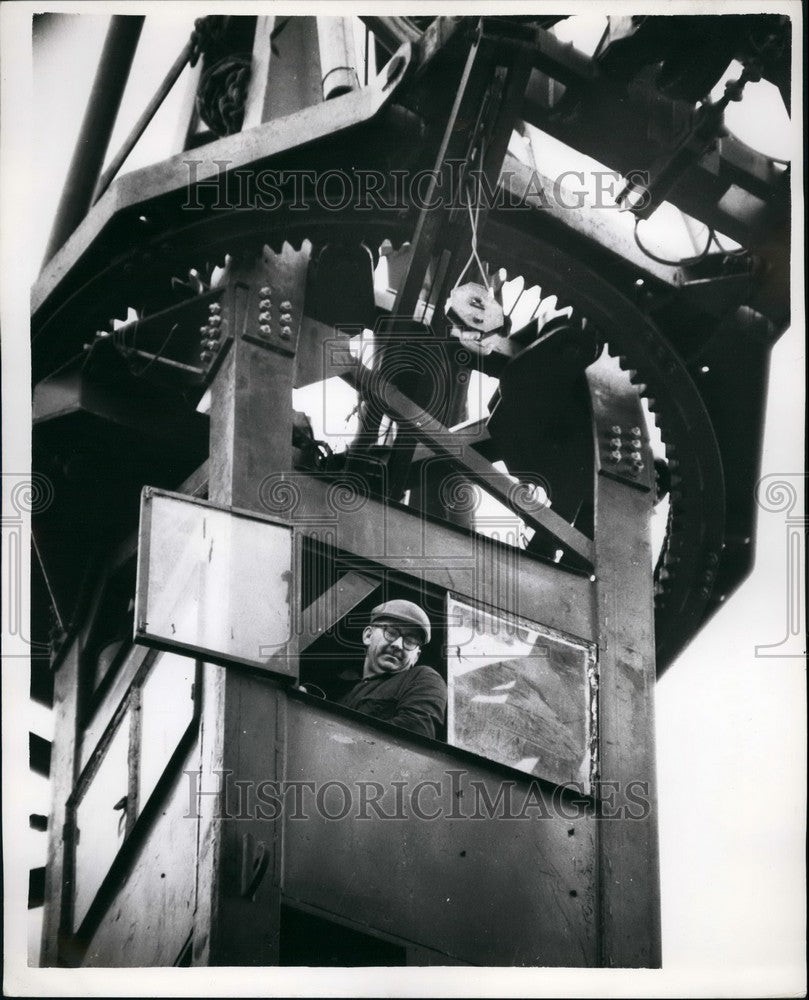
[
  {"x": 58, "y": 885},
  {"x": 96, "y": 128},
  {"x": 243, "y": 728},
  {"x": 628, "y": 869}
]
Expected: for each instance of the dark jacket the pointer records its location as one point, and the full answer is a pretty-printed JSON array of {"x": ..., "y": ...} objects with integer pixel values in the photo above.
[{"x": 415, "y": 699}]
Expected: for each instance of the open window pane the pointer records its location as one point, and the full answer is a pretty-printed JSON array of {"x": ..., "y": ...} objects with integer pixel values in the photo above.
[
  {"x": 520, "y": 693},
  {"x": 214, "y": 583}
]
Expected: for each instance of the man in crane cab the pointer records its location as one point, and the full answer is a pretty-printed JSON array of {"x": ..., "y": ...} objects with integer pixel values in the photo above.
[{"x": 393, "y": 686}]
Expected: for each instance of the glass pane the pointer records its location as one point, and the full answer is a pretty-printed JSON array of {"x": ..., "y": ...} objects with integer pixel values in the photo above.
[
  {"x": 101, "y": 821},
  {"x": 213, "y": 582},
  {"x": 166, "y": 711},
  {"x": 520, "y": 694}
]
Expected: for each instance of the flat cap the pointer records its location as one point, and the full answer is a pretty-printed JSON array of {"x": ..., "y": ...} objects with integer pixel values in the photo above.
[{"x": 405, "y": 612}]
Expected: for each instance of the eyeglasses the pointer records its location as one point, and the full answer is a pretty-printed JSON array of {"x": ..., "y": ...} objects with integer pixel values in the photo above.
[{"x": 392, "y": 634}]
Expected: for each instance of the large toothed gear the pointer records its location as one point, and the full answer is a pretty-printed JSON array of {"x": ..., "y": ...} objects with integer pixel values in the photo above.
[{"x": 692, "y": 550}]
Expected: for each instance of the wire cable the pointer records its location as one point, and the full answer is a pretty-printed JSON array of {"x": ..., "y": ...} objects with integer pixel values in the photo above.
[
  {"x": 155, "y": 357},
  {"x": 473, "y": 222},
  {"x": 684, "y": 262}
]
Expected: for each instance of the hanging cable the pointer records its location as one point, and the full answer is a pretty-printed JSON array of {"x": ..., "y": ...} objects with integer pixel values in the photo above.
[
  {"x": 473, "y": 222},
  {"x": 685, "y": 261},
  {"x": 155, "y": 357}
]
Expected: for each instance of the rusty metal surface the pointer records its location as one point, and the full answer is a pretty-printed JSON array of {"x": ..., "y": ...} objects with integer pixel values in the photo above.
[{"x": 485, "y": 891}]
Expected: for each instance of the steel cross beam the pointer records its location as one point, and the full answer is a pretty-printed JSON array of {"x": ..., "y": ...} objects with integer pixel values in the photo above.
[{"x": 441, "y": 440}]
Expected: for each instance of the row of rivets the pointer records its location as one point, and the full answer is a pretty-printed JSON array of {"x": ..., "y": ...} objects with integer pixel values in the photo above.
[
  {"x": 616, "y": 443},
  {"x": 265, "y": 316},
  {"x": 209, "y": 334}
]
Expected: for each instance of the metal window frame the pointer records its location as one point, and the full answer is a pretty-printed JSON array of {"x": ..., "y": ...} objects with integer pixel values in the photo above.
[{"x": 272, "y": 666}]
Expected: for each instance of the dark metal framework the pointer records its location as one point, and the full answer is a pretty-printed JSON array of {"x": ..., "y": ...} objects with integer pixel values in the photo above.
[{"x": 261, "y": 315}]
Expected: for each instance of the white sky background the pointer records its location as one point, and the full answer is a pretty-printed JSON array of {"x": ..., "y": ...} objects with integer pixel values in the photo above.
[{"x": 730, "y": 725}]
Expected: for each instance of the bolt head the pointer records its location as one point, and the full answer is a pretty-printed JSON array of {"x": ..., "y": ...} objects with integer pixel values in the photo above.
[
  {"x": 215, "y": 320},
  {"x": 635, "y": 443},
  {"x": 266, "y": 329},
  {"x": 286, "y": 304},
  {"x": 214, "y": 307},
  {"x": 615, "y": 456},
  {"x": 615, "y": 429},
  {"x": 204, "y": 330},
  {"x": 265, "y": 290},
  {"x": 286, "y": 318},
  {"x": 264, "y": 317},
  {"x": 205, "y": 357},
  {"x": 286, "y": 332},
  {"x": 615, "y": 442},
  {"x": 635, "y": 456},
  {"x": 265, "y": 303},
  {"x": 635, "y": 432}
]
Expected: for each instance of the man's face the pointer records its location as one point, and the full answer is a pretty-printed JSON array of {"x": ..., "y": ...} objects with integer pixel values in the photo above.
[{"x": 388, "y": 656}]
